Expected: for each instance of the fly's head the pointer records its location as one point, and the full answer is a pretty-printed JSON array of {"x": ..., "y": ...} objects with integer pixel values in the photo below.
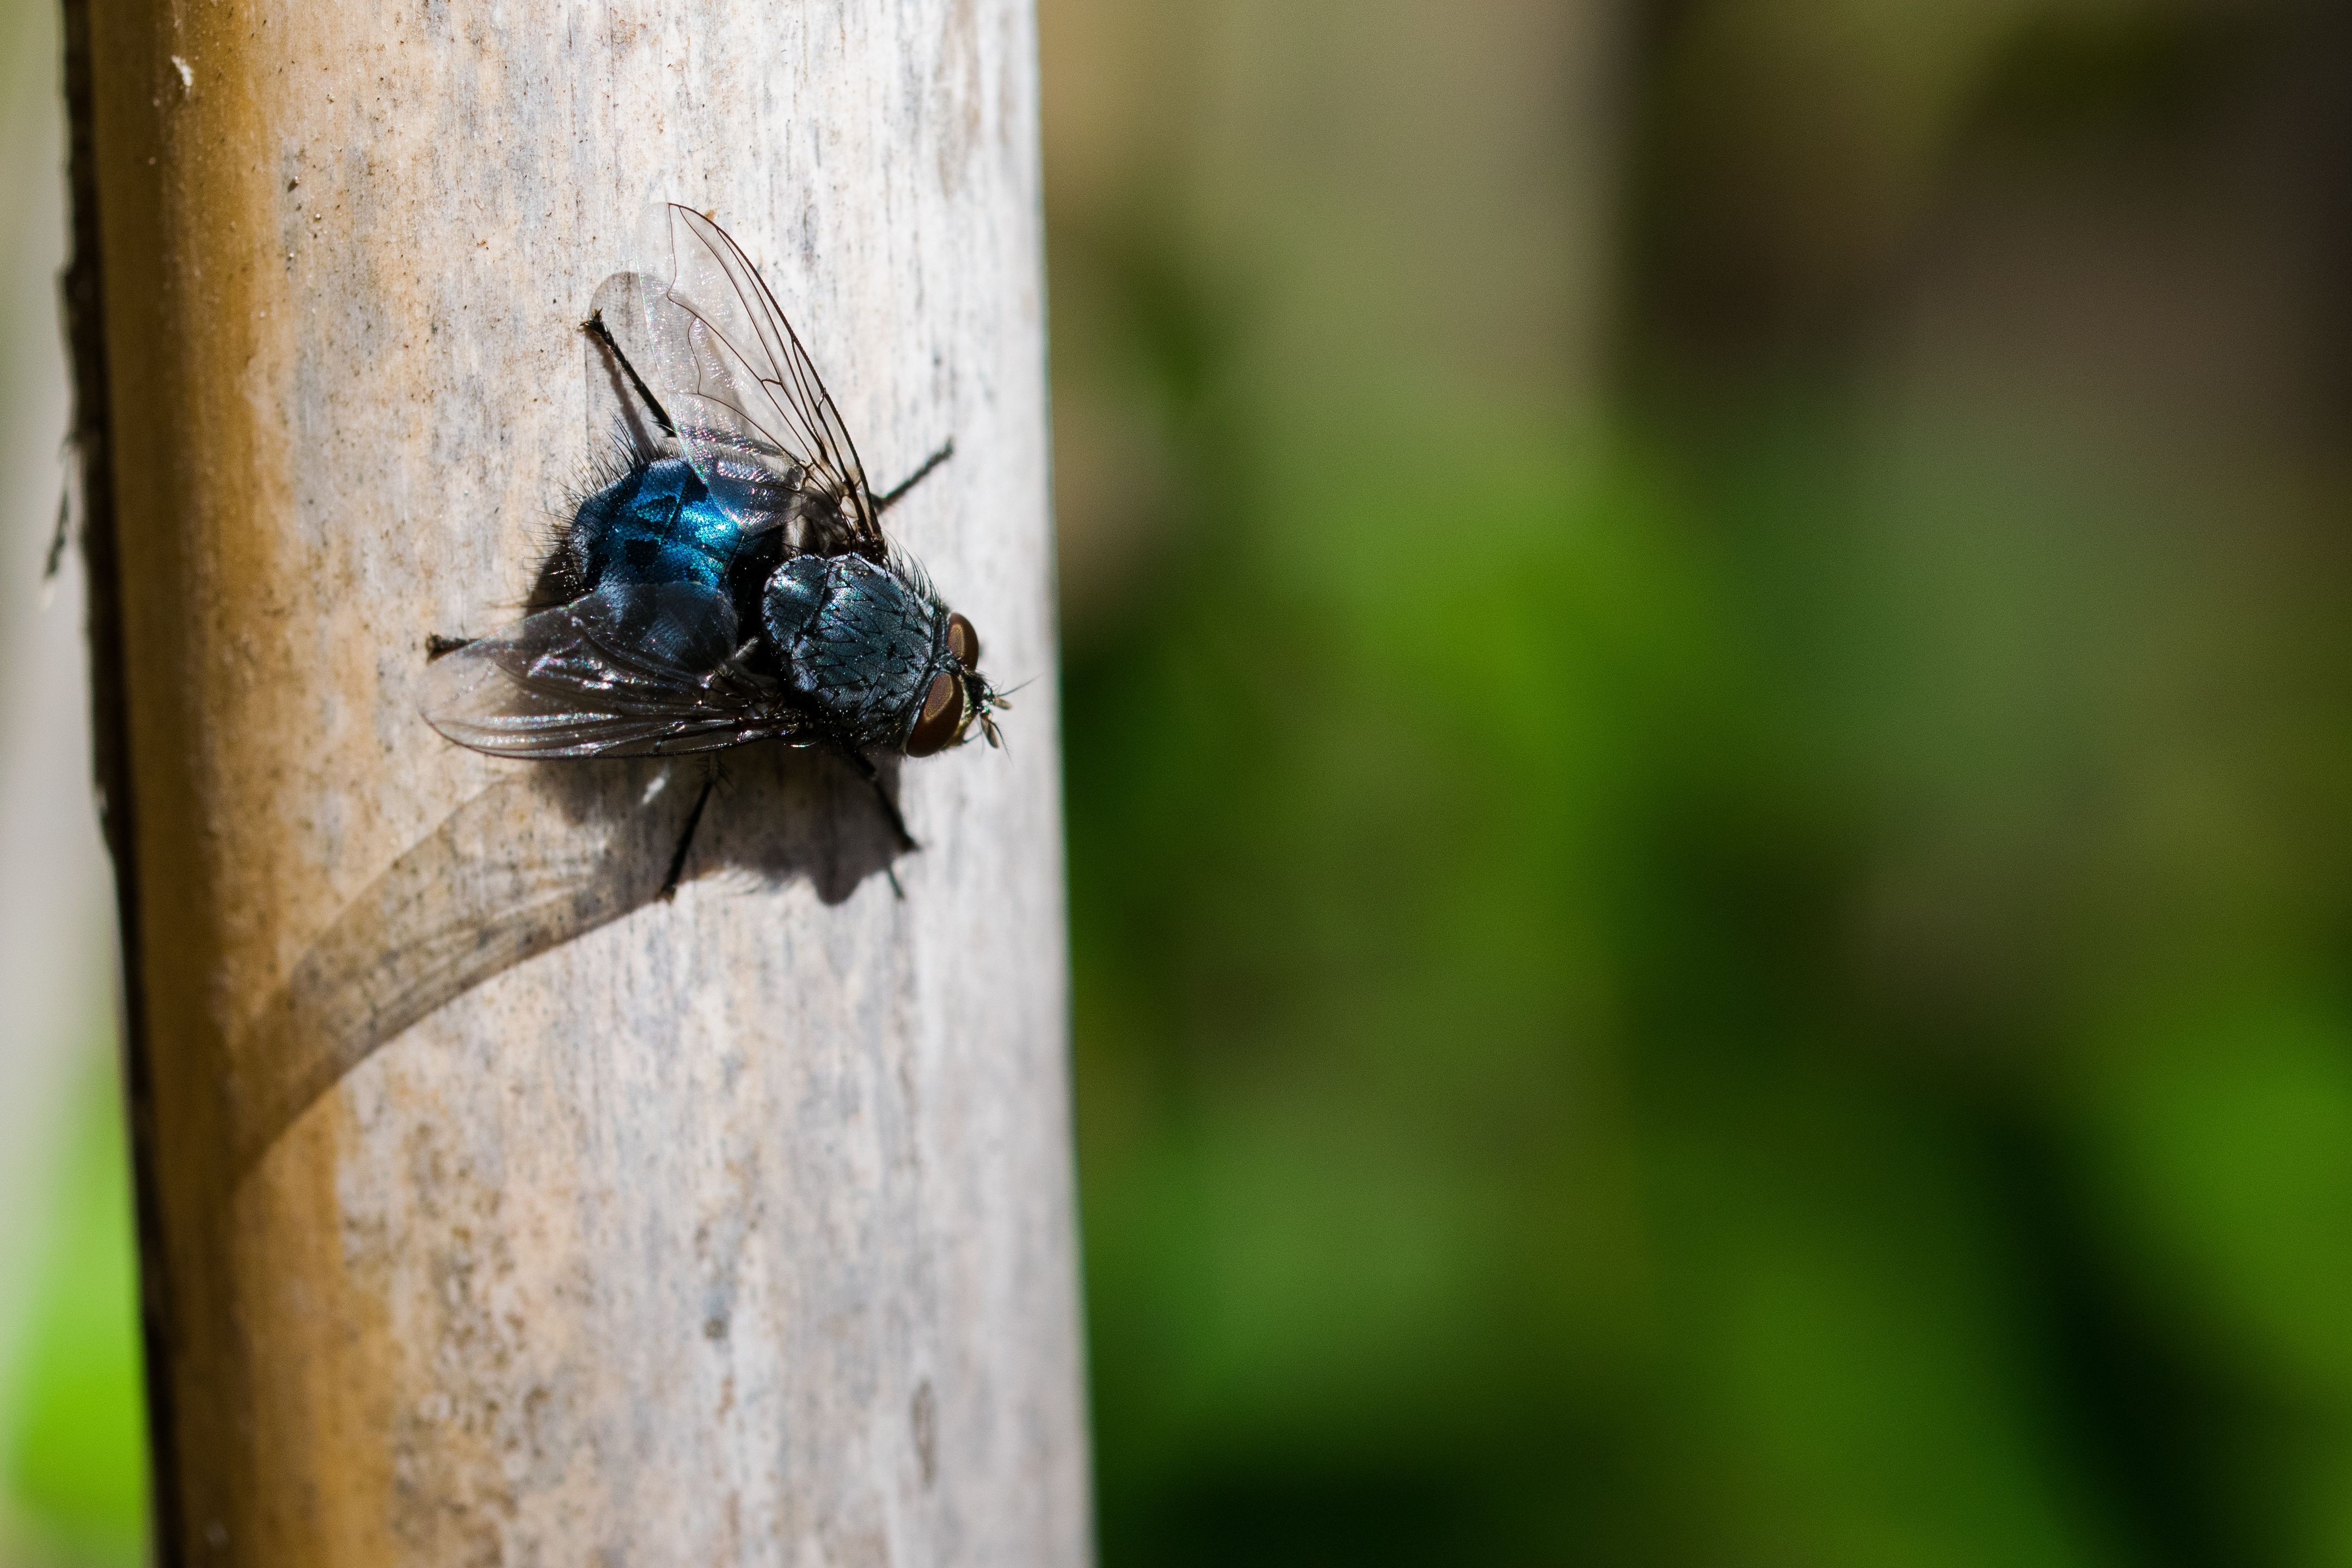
[{"x": 958, "y": 696}]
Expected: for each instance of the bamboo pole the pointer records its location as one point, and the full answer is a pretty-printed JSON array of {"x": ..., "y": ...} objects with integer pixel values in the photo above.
[{"x": 494, "y": 1210}]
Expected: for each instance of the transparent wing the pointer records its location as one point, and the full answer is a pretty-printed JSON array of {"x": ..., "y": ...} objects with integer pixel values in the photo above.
[
  {"x": 621, "y": 416},
  {"x": 752, "y": 414},
  {"x": 629, "y": 670}
]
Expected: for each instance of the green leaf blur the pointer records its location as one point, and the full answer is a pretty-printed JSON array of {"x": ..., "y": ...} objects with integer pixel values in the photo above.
[
  {"x": 74, "y": 1443},
  {"x": 1706, "y": 780}
]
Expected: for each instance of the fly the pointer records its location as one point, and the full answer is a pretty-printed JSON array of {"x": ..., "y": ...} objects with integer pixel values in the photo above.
[{"x": 727, "y": 579}]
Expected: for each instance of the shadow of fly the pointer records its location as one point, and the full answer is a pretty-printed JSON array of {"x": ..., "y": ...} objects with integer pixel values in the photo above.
[{"x": 726, "y": 579}]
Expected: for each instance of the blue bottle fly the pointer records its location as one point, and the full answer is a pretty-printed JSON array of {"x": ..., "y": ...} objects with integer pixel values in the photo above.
[{"x": 727, "y": 579}]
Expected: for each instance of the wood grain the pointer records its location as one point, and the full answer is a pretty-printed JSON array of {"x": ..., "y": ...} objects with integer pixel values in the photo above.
[{"x": 500, "y": 1213}]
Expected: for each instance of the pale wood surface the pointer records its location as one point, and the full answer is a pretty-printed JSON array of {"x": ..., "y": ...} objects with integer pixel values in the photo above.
[{"x": 505, "y": 1214}]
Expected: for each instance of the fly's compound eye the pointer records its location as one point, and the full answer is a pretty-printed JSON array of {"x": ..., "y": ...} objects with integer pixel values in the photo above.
[
  {"x": 963, "y": 642},
  {"x": 942, "y": 717}
]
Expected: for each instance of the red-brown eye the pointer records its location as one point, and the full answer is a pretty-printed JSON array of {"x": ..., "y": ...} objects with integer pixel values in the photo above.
[
  {"x": 963, "y": 642},
  {"x": 943, "y": 716}
]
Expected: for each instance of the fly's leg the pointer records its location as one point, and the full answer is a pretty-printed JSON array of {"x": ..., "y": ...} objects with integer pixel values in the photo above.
[
  {"x": 595, "y": 328},
  {"x": 885, "y": 502},
  {"x": 55, "y": 560},
  {"x": 686, "y": 839},
  {"x": 866, "y": 771}
]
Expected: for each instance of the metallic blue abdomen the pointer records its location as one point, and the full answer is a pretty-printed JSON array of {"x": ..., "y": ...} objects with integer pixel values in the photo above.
[{"x": 654, "y": 524}]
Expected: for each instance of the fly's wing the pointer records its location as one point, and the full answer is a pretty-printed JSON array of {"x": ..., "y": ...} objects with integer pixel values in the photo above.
[
  {"x": 627, "y": 671},
  {"x": 752, "y": 414}
]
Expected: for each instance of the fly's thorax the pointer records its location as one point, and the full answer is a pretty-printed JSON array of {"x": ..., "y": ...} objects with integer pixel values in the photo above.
[{"x": 857, "y": 641}]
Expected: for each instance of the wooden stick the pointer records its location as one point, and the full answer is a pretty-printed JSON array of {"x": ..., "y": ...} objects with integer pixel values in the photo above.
[{"x": 494, "y": 1210}]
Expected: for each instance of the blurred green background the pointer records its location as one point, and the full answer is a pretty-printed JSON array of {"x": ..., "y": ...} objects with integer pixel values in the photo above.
[{"x": 1710, "y": 789}]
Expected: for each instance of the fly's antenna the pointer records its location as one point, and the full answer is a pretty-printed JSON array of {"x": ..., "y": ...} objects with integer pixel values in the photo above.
[{"x": 992, "y": 702}]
